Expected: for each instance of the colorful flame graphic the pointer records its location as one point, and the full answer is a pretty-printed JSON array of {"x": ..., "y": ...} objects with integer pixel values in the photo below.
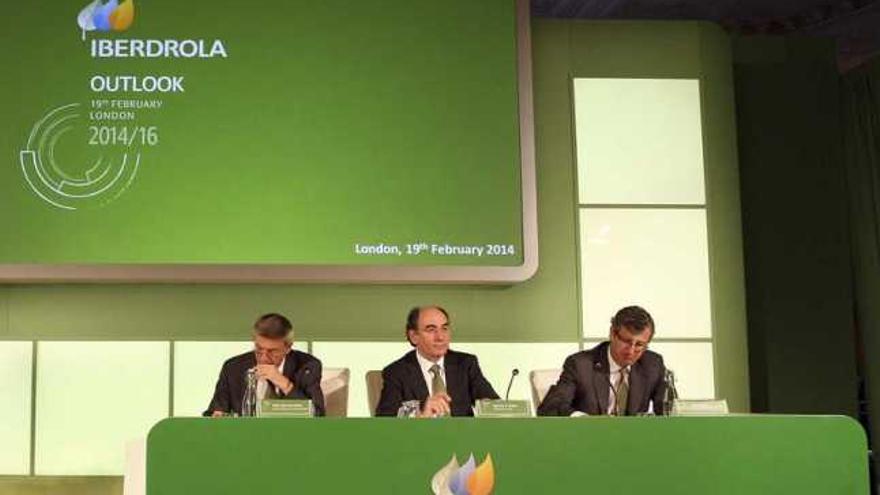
[
  {"x": 467, "y": 479},
  {"x": 110, "y": 16}
]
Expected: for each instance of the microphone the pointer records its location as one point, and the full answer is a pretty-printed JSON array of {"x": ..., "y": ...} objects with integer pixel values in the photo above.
[{"x": 510, "y": 383}]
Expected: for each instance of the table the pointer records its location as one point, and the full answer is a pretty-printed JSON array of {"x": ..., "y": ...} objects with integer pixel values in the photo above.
[{"x": 754, "y": 454}]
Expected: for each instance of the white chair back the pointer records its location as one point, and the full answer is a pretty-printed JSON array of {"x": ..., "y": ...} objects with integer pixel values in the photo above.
[
  {"x": 334, "y": 385},
  {"x": 541, "y": 381}
]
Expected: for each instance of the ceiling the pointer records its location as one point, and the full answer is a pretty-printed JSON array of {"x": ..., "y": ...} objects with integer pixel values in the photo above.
[{"x": 854, "y": 24}]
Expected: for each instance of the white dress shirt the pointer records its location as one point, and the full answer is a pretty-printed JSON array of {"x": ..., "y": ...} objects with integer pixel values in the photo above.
[{"x": 614, "y": 376}]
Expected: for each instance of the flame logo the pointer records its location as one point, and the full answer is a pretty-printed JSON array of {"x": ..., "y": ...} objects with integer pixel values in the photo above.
[
  {"x": 467, "y": 479},
  {"x": 110, "y": 16}
]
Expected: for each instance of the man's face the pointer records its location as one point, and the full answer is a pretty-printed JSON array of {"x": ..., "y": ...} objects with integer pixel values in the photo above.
[
  {"x": 628, "y": 346},
  {"x": 270, "y": 351},
  {"x": 431, "y": 336}
]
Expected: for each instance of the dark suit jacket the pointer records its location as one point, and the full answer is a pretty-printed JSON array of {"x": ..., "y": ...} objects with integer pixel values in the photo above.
[
  {"x": 585, "y": 379},
  {"x": 303, "y": 369},
  {"x": 403, "y": 380}
]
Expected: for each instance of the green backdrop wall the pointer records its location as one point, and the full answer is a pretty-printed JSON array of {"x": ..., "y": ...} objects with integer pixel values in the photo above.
[{"x": 543, "y": 309}]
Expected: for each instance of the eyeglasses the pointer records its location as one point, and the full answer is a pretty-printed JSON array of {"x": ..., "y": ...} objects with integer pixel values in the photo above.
[
  {"x": 637, "y": 345},
  {"x": 434, "y": 329},
  {"x": 270, "y": 352}
]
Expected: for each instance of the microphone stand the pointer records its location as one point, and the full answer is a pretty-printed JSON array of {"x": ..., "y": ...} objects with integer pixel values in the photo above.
[{"x": 510, "y": 383}]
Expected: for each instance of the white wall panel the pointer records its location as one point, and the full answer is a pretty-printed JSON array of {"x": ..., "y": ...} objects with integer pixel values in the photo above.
[
  {"x": 639, "y": 141},
  {"x": 196, "y": 369},
  {"x": 16, "y": 364},
  {"x": 657, "y": 259},
  {"x": 92, "y": 397}
]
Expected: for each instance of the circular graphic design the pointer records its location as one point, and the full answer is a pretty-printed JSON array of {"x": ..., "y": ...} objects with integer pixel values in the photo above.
[{"x": 84, "y": 174}]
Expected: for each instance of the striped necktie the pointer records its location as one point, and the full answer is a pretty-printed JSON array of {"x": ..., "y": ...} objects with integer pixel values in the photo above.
[
  {"x": 622, "y": 394},
  {"x": 437, "y": 383}
]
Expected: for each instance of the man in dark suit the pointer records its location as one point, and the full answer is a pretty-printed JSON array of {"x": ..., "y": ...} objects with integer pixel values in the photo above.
[
  {"x": 444, "y": 382},
  {"x": 617, "y": 377},
  {"x": 282, "y": 372}
]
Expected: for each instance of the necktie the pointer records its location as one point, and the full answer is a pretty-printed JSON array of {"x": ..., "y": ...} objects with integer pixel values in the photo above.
[
  {"x": 437, "y": 383},
  {"x": 270, "y": 390},
  {"x": 622, "y": 394}
]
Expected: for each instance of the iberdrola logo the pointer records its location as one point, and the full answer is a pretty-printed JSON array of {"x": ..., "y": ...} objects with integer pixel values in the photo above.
[
  {"x": 467, "y": 479},
  {"x": 109, "y": 16}
]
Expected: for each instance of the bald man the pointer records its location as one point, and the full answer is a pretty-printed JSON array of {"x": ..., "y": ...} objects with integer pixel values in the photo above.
[{"x": 443, "y": 381}]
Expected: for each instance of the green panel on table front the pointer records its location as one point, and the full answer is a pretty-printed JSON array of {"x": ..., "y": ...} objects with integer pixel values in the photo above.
[{"x": 720, "y": 455}]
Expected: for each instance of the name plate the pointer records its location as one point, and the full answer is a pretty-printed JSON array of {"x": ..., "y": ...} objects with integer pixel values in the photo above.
[
  {"x": 699, "y": 407},
  {"x": 489, "y": 408},
  {"x": 285, "y": 408}
]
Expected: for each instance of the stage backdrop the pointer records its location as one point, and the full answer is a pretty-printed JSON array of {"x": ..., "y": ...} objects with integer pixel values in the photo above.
[{"x": 178, "y": 334}]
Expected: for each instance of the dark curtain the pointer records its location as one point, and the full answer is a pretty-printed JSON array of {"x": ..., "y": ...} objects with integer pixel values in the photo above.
[
  {"x": 861, "y": 139},
  {"x": 795, "y": 212}
]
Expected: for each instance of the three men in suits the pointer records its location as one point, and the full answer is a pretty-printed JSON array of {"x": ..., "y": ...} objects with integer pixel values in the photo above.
[
  {"x": 617, "y": 377},
  {"x": 282, "y": 372},
  {"x": 443, "y": 381}
]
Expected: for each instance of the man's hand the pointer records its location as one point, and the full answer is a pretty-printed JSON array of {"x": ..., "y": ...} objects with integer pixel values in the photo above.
[
  {"x": 270, "y": 372},
  {"x": 218, "y": 414},
  {"x": 437, "y": 405}
]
